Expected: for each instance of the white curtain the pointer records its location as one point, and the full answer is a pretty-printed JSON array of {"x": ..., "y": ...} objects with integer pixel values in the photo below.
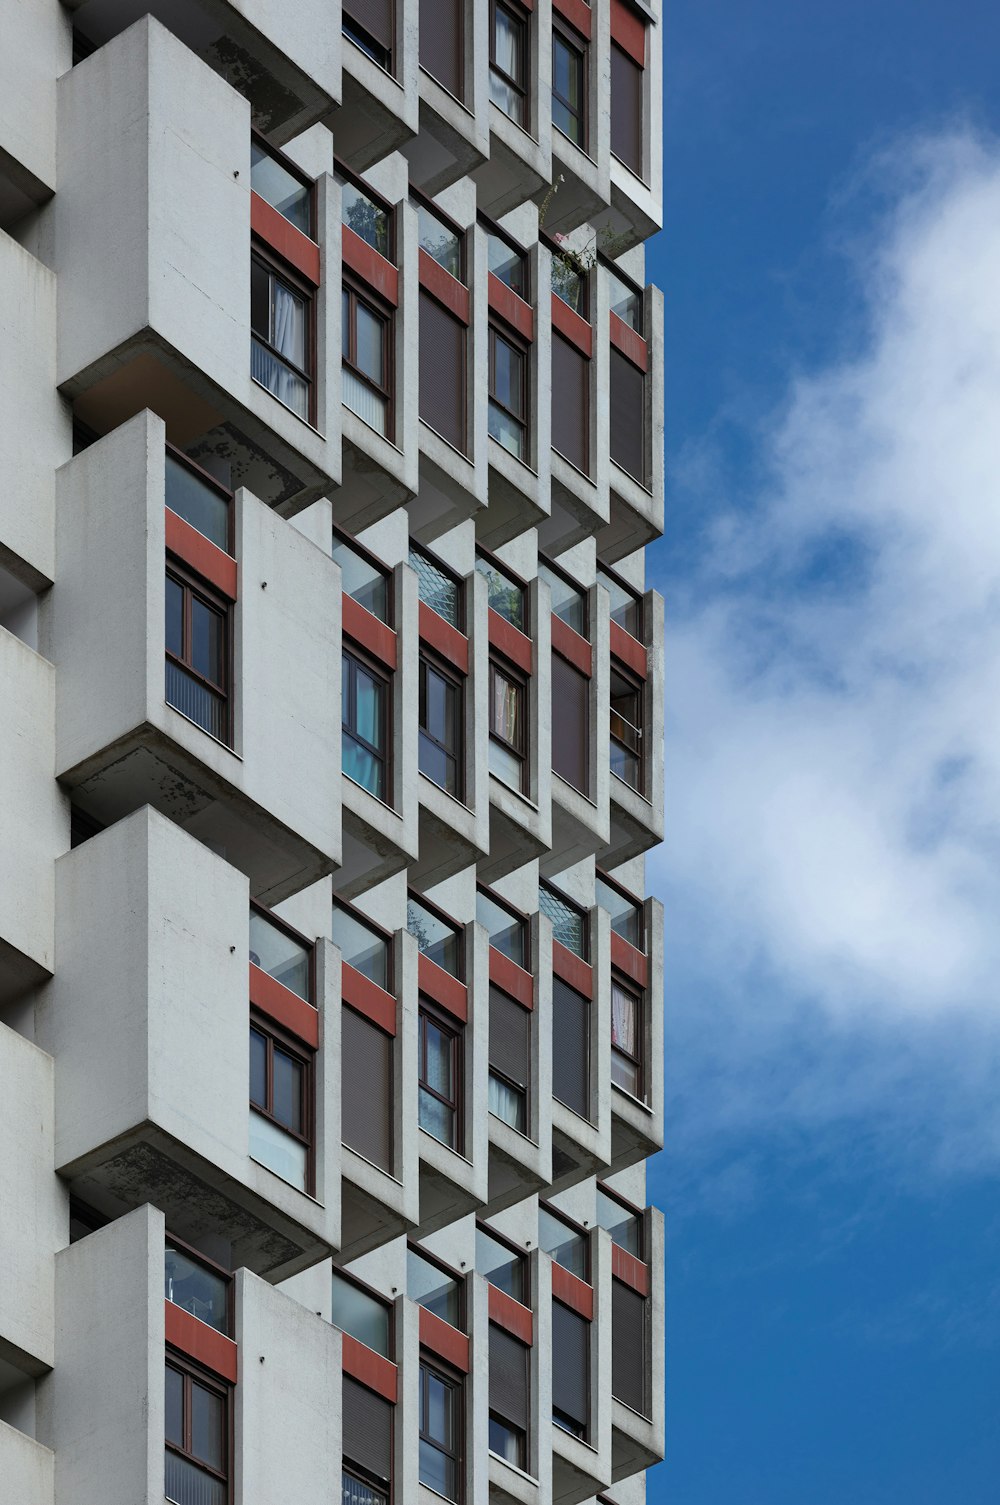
[
  {"x": 623, "y": 1019},
  {"x": 361, "y": 399}
]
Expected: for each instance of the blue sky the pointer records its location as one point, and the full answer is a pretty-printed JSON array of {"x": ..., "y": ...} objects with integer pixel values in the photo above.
[{"x": 831, "y": 266}]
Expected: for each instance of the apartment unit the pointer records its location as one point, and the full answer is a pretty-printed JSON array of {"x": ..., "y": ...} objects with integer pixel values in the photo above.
[{"x": 330, "y": 994}]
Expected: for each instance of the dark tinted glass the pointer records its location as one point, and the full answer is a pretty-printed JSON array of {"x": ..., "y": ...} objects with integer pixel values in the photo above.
[
  {"x": 366, "y": 218},
  {"x": 197, "y": 501},
  {"x": 570, "y": 285},
  {"x": 288, "y": 1090},
  {"x": 567, "y": 88},
  {"x": 363, "y": 1316},
  {"x": 258, "y": 1069},
  {"x": 208, "y": 1426},
  {"x": 280, "y": 955},
  {"x": 195, "y": 1288},
  {"x": 439, "y": 727},
  {"x": 442, "y": 372},
  {"x": 207, "y": 640},
  {"x": 174, "y": 1397},
  {"x": 506, "y": 596},
  {"x": 175, "y": 618},
  {"x": 281, "y": 188},
  {"x": 440, "y": 241}
]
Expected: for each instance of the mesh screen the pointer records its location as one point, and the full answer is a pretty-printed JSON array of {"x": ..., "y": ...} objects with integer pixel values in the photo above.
[
  {"x": 628, "y": 1346},
  {"x": 367, "y": 1422},
  {"x": 510, "y": 1037},
  {"x": 570, "y": 1363},
  {"x": 508, "y": 1377},
  {"x": 366, "y": 1086}
]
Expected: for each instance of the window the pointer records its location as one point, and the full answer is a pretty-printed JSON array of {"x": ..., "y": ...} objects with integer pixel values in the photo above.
[
  {"x": 569, "y": 282},
  {"x": 281, "y": 343},
  {"x": 566, "y": 1245},
  {"x": 508, "y": 726},
  {"x": 281, "y": 1105},
  {"x": 628, "y": 1347},
  {"x": 508, "y": 411},
  {"x": 367, "y": 1445},
  {"x": 441, "y": 43},
  {"x": 442, "y": 395},
  {"x": 626, "y": 109},
  {"x": 509, "y": 1371},
  {"x": 508, "y": 931},
  {"x": 626, "y": 604},
  {"x": 509, "y": 60},
  {"x": 433, "y": 1288},
  {"x": 623, "y": 1223},
  {"x": 367, "y": 360},
  {"x": 626, "y": 728},
  {"x": 569, "y": 921},
  {"x": 570, "y": 724},
  {"x": 625, "y": 912},
  {"x": 502, "y": 1266},
  {"x": 197, "y": 654},
  {"x": 569, "y": 602},
  {"x": 569, "y": 85},
  {"x": 435, "y": 935},
  {"x": 507, "y": 262},
  {"x": 365, "y": 735},
  {"x": 369, "y": 25},
  {"x": 364, "y": 581},
  {"x": 625, "y": 300},
  {"x": 198, "y": 499},
  {"x": 195, "y": 1286},
  {"x": 510, "y": 1057},
  {"x": 437, "y": 587},
  {"x": 571, "y": 1062},
  {"x": 276, "y": 951},
  {"x": 626, "y": 1039},
  {"x": 440, "y": 1432},
  {"x": 366, "y": 1084},
  {"x": 196, "y": 1462},
  {"x": 442, "y": 241},
  {"x": 627, "y": 395},
  {"x": 507, "y": 596},
  {"x": 362, "y": 946},
  {"x": 440, "y": 749},
  {"x": 281, "y": 185},
  {"x": 439, "y": 1076},
  {"x": 570, "y": 403},
  {"x": 362, "y": 1315},
  {"x": 367, "y": 216},
  {"x": 570, "y": 1370}
]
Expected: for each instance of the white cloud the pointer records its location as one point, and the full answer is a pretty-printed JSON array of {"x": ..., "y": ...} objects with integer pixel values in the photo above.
[{"x": 834, "y": 679}]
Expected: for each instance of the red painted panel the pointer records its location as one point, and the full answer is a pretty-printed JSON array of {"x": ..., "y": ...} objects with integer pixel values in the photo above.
[
  {"x": 567, "y": 322},
  {"x": 627, "y": 959},
  {"x": 444, "y": 639},
  {"x": 511, "y": 1315},
  {"x": 444, "y": 287},
  {"x": 572, "y": 969},
  {"x": 443, "y": 989},
  {"x": 368, "y": 998},
  {"x": 366, "y": 630},
  {"x": 576, "y": 13},
  {"x": 512, "y": 979},
  {"x": 444, "y": 1340},
  {"x": 573, "y": 1292},
  {"x": 284, "y": 1007},
  {"x": 200, "y": 1342},
  {"x": 572, "y": 646},
  {"x": 369, "y": 265},
  {"x": 629, "y": 1270},
  {"x": 205, "y": 558},
  {"x": 505, "y": 302},
  {"x": 628, "y": 29},
  {"x": 509, "y": 641},
  {"x": 629, "y": 341},
  {"x": 369, "y": 1368},
  {"x": 297, "y": 249},
  {"x": 631, "y": 652}
]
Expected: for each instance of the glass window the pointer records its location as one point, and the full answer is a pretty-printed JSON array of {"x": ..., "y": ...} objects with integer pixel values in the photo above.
[
  {"x": 196, "y": 1288},
  {"x": 507, "y": 263},
  {"x": 283, "y": 189},
  {"x": 508, "y": 61},
  {"x": 626, "y": 109},
  {"x": 508, "y": 1102},
  {"x": 362, "y": 1315},
  {"x": 567, "y": 1246},
  {"x": 569, "y": 602},
  {"x": 369, "y": 220},
  {"x": 365, "y": 713},
  {"x": 357, "y": 1492},
  {"x": 198, "y": 501},
  {"x": 626, "y": 606},
  {"x": 435, "y": 937},
  {"x": 508, "y": 752},
  {"x": 507, "y": 1441},
  {"x": 437, "y": 588},
  {"x": 439, "y": 1073},
  {"x": 624, "y": 1226},
  {"x": 440, "y": 742},
  {"x": 369, "y": 25},
  {"x": 626, "y": 913},
  {"x": 365, "y": 351},
  {"x": 196, "y": 1436},
  {"x": 429, "y": 1286},
  {"x": 506, "y": 595},
  {"x": 362, "y": 946},
  {"x": 570, "y": 724},
  {"x": 440, "y": 1431},
  {"x": 363, "y": 581},
  {"x": 197, "y": 655},
  {"x": 569, "y": 922},
  {"x": 508, "y": 932},
  {"x": 568, "y": 87},
  {"x": 279, "y": 1118},
  {"x": 280, "y": 345},
  {"x": 440, "y": 241},
  {"x": 507, "y": 418},
  {"x": 570, "y": 284},
  {"x": 280, "y": 955},
  {"x": 626, "y": 729},
  {"x": 626, "y": 301},
  {"x": 626, "y": 1039},
  {"x": 502, "y": 1266}
]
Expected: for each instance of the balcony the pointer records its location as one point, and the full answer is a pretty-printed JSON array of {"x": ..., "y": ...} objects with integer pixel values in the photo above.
[
  {"x": 153, "y": 1100},
  {"x": 580, "y": 683},
  {"x": 520, "y": 1091},
  {"x": 581, "y": 1443},
  {"x": 453, "y": 137},
  {"x": 581, "y": 1024},
  {"x": 636, "y": 208},
  {"x": 519, "y": 164},
  {"x": 261, "y": 782},
  {"x": 378, "y": 113},
  {"x": 634, "y": 322},
  {"x": 636, "y": 753},
  {"x": 637, "y": 1348},
  {"x": 152, "y": 234},
  {"x": 636, "y": 984},
  {"x": 581, "y": 140}
]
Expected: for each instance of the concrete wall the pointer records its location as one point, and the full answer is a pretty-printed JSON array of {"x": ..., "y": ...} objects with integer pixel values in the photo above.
[{"x": 26, "y": 1467}]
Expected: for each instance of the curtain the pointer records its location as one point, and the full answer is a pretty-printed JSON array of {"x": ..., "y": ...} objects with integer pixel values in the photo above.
[
  {"x": 506, "y": 719},
  {"x": 623, "y": 1011},
  {"x": 360, "y": 398}
]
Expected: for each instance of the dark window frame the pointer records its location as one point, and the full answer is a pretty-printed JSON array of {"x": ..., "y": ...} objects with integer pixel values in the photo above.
[
  {"x": 294, "y": 171},
  {"x": 358, "y": 292},
  {"x": 368, "y": 44},
  {"x": 274, "y": 266},
  {"x": 374, "y": 1295},
  {"x": 192, "y": 585},
  {"x": 632, "y": 898},
  {"x": 459, "y": 581},
  {"x": 210, "y": 1264},
  {"x": 521, "y": 584},
  {"x": 634, "y": 288},
  {"x": 577, "y": 44},
  {"x": 441, "y": 667},
  {"x": 519, "y": 915},
  {"x": 193, "y": 1374},
  {"x": 522, "y": 20},
  {"x": 453, "y": 1030},
  {"x": 456, "y": 1384},
  {"x": 380, "y": 930},
  {"x": 293, "y": 935},
  {"x": 383, "y": 569},
  {"x": 580, "y": 910},
  {"x": 638, "y": 995},
  {"x": 342, "y": 170},
  {"x": 578, "y": 1231},
  {"x": 500, "y": 331},
  {"x": 581, "y": 590},
  {"x": 446, "y": 919},
  {"x": 498, "y": 665},
  {"x": 297, "y": 1049},
  {"x": 458, "y": 1276},
  {"x": 214, "y": 484},
  {"x": 637, "y": 687},
  {"x": 558, "y": 253},
  {"x": 639, "y": 1213},
  {"x": 524, "y": 1264},
  {"x": 377, "y": 671},
  {"x": 520, "y": 252},
  {"x": 461, "y": 232},
  {"x": 637, "y": 598}
]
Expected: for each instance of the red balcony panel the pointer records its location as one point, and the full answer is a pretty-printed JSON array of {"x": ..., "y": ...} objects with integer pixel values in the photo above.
[
  {"x": 573, "y": 1292},
  {"x": 200, "y": 1342},
  {"x": 283, "y": 237},
  {"x": 625, "y": 958},
  {"x": 369, "y": 1368},
  {"x": 368, "y": 998},
  {"x": 567, "y": 322},
  {"x": 509, "y": 641},
  {"x": 443, "y": 989},
  {"x": 438, "y": 634},
  {"x": 572, "y": 646},
  {"x": 454, "y": 295},
  {"x": 509, "y": 1314},
  {"x": 372, "y": 268},
  {"x": 628, "y": 29},
  {"x": 630, "y": 652},
  {"x": 629, "y": 1270},
  {"x": 512, "y": 979},
  {"x": 629, "y": 341},
  {"x": 576, "y": 13},
  {"x": 444, "y": 1340},
  {"x": 284, "y": 1007},
  {"x": 369, "y": 633},
  {"x": 573, "y": 970},
  {"x": 204, "y": 557},
  {"x": 513, "y": 310}
]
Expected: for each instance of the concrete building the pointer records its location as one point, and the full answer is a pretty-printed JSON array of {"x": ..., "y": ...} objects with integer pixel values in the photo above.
[{"x": 330, "y": 997}]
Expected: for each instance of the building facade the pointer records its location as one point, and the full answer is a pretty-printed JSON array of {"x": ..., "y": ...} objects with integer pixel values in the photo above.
[{"x": 331, "y": 1045}]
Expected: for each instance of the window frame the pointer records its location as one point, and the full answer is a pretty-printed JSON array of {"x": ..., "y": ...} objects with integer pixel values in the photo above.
[
  {"x": 639, "y": 1213},
  {"x": 212, "y": 1265},
  {"x": 632, "y": 899},
  {"x": 583, "y": 913},
  {"x": 638, "y": 995},
  {"x": 294, "y": 935},
  {"x": 499, "y": 331},
  {"x": 294, "y": 171},
  {"x": 517, "y": 915},
  {"x": 342, "y": 170},
  {"x": 456, "y": 1276},
  {"x": 371, "y": 44},
  {"x": 492, "y": 228},
  {"x": 192, "y": 1374},
  {"x": 275, "y": 267},
  {"x": 581, "y": 590},
  {"x": 386, "y": 935},
  {"x": 455, "y": 1383},
  {"x": 274, "y": 1035},
  {"x": 433, "y": 661},
  {"x": 577, "y": 1230},
  {"x": 192, "y": 585},
  {"x": 638, "y": 688},
  {"x": 571, "y": 38},
  {"x": 458, "y": 581},
  {"x": 421, "y": 201},
  {"x": 500, "y": 666},
  {"x": 350, "y": 542},
  {"x": 358, "y": 658},
  {"x": 446, "y": 919},
  {"x": 521, "y": 19},
  {"x": 495, "y": 564},
  {"x": 524, "y": 1264},
  {"x": 450, "y": 1027},
  {"x": 373, "y": 1295},
  {"x": 357, "y": 292},
  {"x": 635, "y": 596},
  {"x": 214, "y": 484}
]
